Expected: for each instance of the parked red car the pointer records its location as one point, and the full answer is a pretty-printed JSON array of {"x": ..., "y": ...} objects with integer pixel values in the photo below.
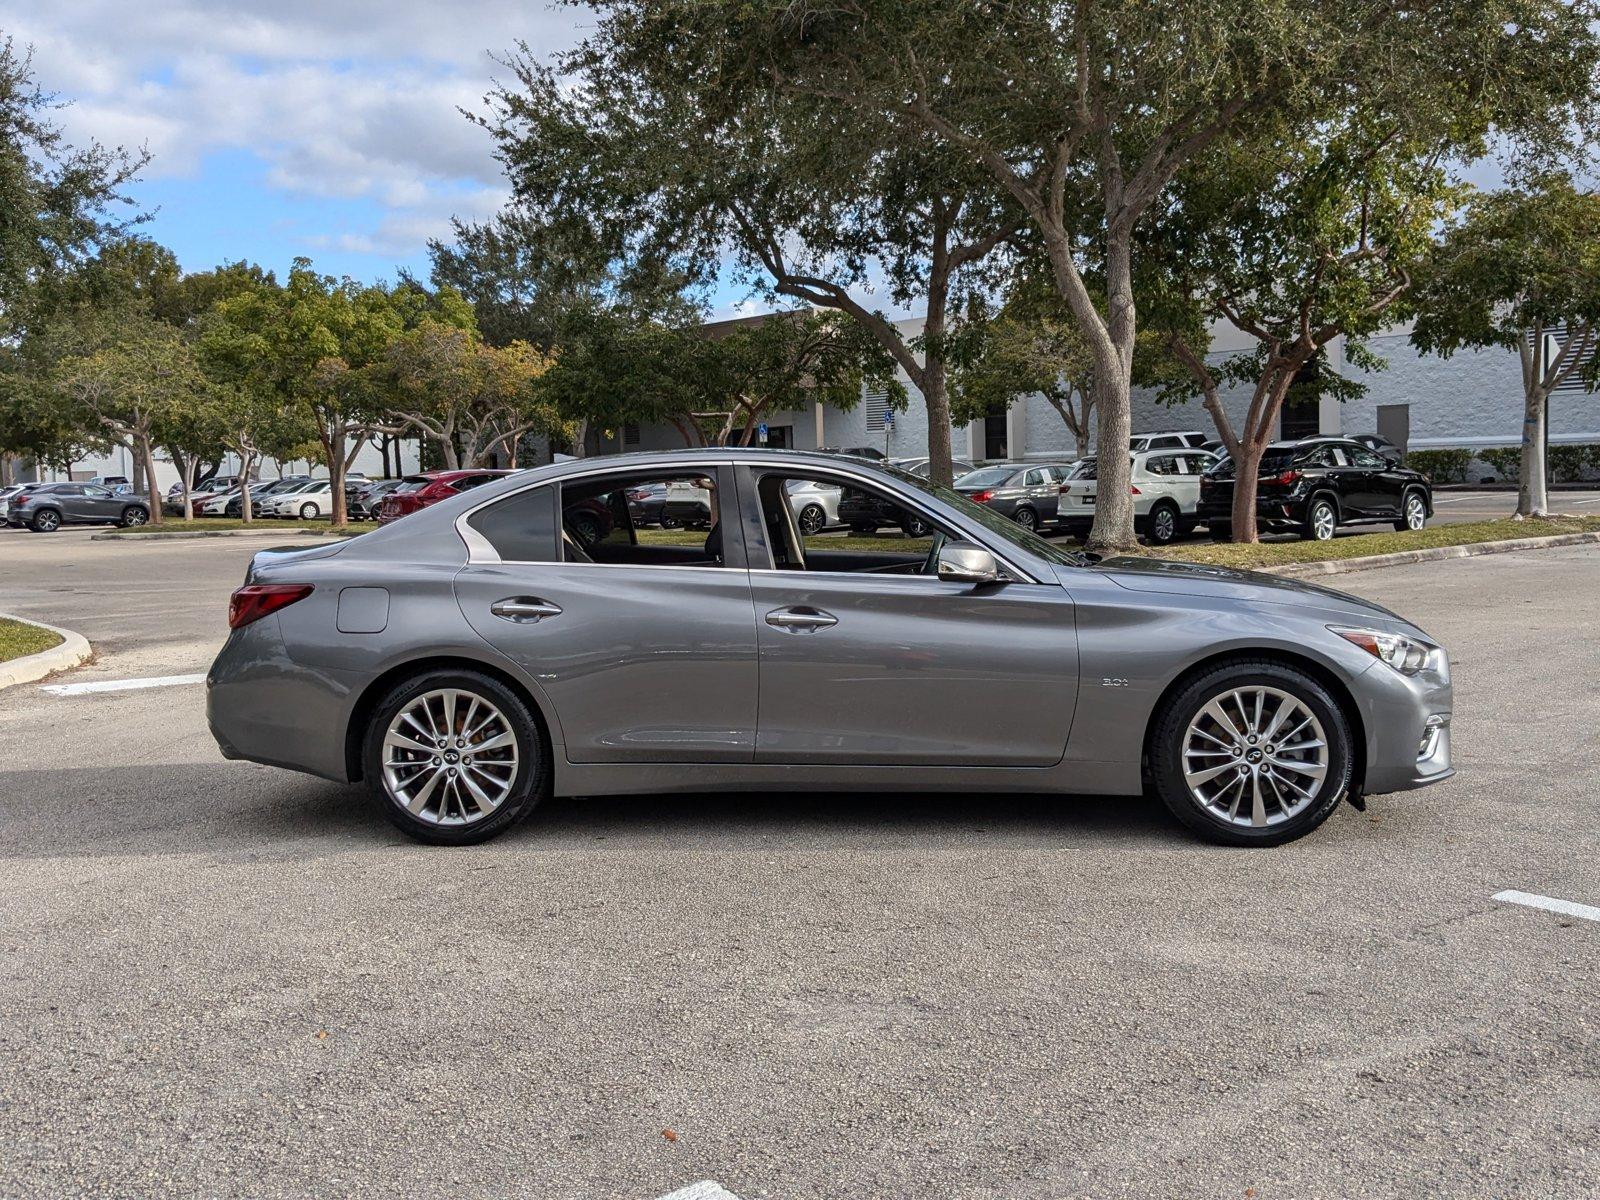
[{"x": 418, "y": 491}]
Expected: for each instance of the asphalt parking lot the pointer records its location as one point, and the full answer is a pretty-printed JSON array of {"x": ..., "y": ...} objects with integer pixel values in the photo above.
[{"x": 227, "y": 980}]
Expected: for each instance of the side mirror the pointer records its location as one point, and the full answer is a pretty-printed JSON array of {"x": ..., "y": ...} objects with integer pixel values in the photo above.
[{"x": 962, "y": 562}]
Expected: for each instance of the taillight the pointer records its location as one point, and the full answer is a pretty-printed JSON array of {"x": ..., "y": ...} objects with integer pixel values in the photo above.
[
  {"x": 982, "y": 497},
  {"x": 1066, "y": 488},
  {"x": 1133, "y": 491},
  {"x": 1287, "y": 478},
  {"x": 256, "y": 600}
]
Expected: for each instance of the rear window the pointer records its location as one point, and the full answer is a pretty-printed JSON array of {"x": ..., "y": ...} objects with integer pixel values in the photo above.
[
  {"x": 412, "y": 483},
  {"x": 1273, "y": 462},
  {"x": 987, "y": 476}
]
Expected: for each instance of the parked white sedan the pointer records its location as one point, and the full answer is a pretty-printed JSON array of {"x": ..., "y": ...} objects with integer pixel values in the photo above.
[
  {"x": 1166, "y": 493},
  {"x": 815, "y": 504},
  {"x": 309, "y": 501}
]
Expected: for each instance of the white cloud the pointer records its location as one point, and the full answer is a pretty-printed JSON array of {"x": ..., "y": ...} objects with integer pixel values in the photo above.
[{"x": 354, "y": 99}]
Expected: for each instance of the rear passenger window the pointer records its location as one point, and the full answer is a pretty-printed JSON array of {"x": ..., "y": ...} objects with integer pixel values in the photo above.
[{"x": 521, "y": 528}]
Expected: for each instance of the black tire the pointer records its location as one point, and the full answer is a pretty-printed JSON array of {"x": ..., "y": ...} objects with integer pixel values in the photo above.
[
  {"x": 1219, "y": 531},
  {"x": 46, "y": 520},
  {"x": 812, "y": 519},
  {"x": 1026, "y": 517},
  {"x": 916, "y": 527},
  {"x": 667, "y": 522},
  {"x": 1166, "y": 751},
  {"x": 133, "y": 516},
  {"x": 530, "y": 786},
  {"x": 1164, "y": 525},
  {"x": 1318, "y": 529},
  {"x": 585, "y": 530},
  {"x": 1403, "y": 525},
  {"x": 308, "y": 511}
]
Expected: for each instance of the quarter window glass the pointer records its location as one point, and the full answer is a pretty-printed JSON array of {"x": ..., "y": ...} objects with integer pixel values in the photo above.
[
  {"x": 521, "y": 528},
  {"x": 1366, "y": 459}
]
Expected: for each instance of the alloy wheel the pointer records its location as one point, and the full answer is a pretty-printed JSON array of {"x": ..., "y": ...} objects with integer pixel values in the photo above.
[
  {"x": 1254, "y": 756},
  {"x": 811, "y": 519},
  {"x": 1416, "y": 512},
  {"x": 1322, "y": 521},
  {"x": 1165, "y": 525},
  {"x": 449, "y": 757},
  {"x": 134, "y": 516},
  {"x": 47, "y": 521},
  {"x": 1026, "y": 518}
]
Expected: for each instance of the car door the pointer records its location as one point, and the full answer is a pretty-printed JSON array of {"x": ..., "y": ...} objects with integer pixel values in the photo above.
[
  {"x": 641, "y": 661},
  {"x": 98, "y": 504},
  {"x": 870, "y": 668},
  {"x": 1185, "y": 485},
  {"x": 1381, "y": 485},
  {"x": 1043, "y": 493}
]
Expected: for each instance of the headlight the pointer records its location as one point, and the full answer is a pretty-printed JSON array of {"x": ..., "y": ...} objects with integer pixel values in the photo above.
[{"x": 1407, "y": 655}]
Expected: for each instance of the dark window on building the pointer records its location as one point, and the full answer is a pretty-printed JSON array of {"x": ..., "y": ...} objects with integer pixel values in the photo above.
[
  {"x": 1301, "y": 416},
  {"x": 994, "y": 435}
]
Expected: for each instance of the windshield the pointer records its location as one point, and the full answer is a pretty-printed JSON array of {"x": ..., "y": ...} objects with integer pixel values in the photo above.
[
  {"x": 1003, "y": 527},
  {"x": 986, "y": 477}
]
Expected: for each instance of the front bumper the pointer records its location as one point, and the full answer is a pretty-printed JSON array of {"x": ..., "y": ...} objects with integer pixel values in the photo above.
[{"x": 1407, "y": 719}]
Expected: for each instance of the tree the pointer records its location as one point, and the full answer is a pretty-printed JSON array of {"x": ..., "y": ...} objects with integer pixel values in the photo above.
[
  {"x": 1521, "y": 271},
  {"x": 473, "y": 401},
  {"x": 638, "y": 153},
  {"x": 142, "y": 380},
  {"x": 1084, "y": 114},
  {"x": 56, "y": 200},
  {"x": 311, "y": 341}
]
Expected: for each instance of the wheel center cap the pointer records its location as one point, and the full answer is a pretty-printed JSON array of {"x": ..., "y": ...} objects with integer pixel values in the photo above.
[
  {"x": 1255, "y": 756},
  {"x": 451, "y": 756}
]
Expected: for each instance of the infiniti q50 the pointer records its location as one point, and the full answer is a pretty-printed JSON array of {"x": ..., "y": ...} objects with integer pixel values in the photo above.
[{"x": 493, "y": 650}]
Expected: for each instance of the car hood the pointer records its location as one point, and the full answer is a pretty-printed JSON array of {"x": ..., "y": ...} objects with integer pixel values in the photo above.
[{"x": 1198, "y": 579}]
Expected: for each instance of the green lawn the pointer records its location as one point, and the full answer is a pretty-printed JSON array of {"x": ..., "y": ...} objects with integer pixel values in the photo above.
[
  {"x": 1275, "y": 554},
  {"x": 18, "y": 639},
  {"x": 260, "y": 525}
]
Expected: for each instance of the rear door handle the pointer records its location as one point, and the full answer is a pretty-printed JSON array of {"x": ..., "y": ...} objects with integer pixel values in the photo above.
[
  {"x": 524, "y": 609},
  {"x": 801, "y": 619}
]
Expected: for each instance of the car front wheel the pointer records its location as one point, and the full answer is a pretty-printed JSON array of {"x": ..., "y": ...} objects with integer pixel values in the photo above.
[
  {"x": 812, "y": 518},
  {"x": 133, "y": 515},
  {"x": 1252, "y": 753},
  {"x": 1414, "y": 515},
  {"x": 308, "y": 511},
  {"x": 455, "y": 757}
]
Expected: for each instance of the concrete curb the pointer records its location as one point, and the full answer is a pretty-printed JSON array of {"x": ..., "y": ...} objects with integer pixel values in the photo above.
[
  {"x": 186, "y": 534},
  {"x": 73, "y": 651},
  {"x": 1341, "y": 566}
]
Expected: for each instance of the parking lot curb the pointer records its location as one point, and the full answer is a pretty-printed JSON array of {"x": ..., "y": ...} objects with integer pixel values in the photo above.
[
  {"x": 1340, "y": 566},
  {"x": 184, "y": 534},
  {"x": 73, "y": 651}
]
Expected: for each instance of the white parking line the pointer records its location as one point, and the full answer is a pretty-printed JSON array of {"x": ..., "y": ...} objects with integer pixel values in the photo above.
[
  {"x": 1596, "y": 500},
  {"x": 1438, "y": 500},
  {"x": 1565, "y": 907},
  {"x": 706, "y": 1189},
  {"x": 120, "y": 685}
]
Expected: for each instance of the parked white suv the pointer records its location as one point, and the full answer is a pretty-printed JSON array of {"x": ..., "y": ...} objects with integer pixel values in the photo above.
[
  {"x": 1166, "y": 493},
  {"x": 1190, "y": 439}
]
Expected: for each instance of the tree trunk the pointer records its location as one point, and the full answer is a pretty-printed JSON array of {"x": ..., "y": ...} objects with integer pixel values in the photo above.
[
  {"x": 147, "y": 462},
  {"x": 1533, "y": 498},
  {"x": 1247, "y": 469},
  {"x": 335, "y": 447},
  {"x": 1113, "y": 516},
  {"x": 187, "y": 480},
  {"x": 246, "y": 462}
]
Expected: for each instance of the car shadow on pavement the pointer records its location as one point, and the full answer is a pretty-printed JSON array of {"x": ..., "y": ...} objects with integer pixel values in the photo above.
[{"x": 226, "y": 808}]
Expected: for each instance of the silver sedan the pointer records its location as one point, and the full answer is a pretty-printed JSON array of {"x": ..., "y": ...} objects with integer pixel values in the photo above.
[{"x": 475, "y": 659}]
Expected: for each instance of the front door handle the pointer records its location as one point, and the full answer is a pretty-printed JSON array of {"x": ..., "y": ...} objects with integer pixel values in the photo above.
[
  {"x": 801, "y": 619},
  {"x": 524, "y": 609}
]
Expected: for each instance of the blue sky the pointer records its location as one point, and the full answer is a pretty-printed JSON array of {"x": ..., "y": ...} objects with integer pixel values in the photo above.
[{"x": 300, "y": 127}]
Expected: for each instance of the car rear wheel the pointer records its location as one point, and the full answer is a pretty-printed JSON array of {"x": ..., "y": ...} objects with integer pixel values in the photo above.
[
  {"x": 1026, "y": 517},
  {"x": 1322, "y": 520},
  {"x": 133, "y": 515},
  {"x": 1164, "y": 524},
  {"x": 669, "y": 522},
  {"x": 46, "y": 520},
  {"x": 1414, "y": 514},
  {"x": 455, "y": 757},
  {"x": 1252, "y": 753},
  {"x": 812, "y": 519}
]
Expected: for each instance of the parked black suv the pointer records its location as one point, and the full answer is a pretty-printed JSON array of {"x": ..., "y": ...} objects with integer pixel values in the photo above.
[{"x": 1315, "y": 485}]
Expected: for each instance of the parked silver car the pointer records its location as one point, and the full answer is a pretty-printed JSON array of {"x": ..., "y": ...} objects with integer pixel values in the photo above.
[{"x": 474, "y": 659}]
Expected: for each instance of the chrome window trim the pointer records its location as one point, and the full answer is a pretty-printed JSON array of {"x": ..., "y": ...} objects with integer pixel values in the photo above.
[{"x": 480, "y": 552}]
